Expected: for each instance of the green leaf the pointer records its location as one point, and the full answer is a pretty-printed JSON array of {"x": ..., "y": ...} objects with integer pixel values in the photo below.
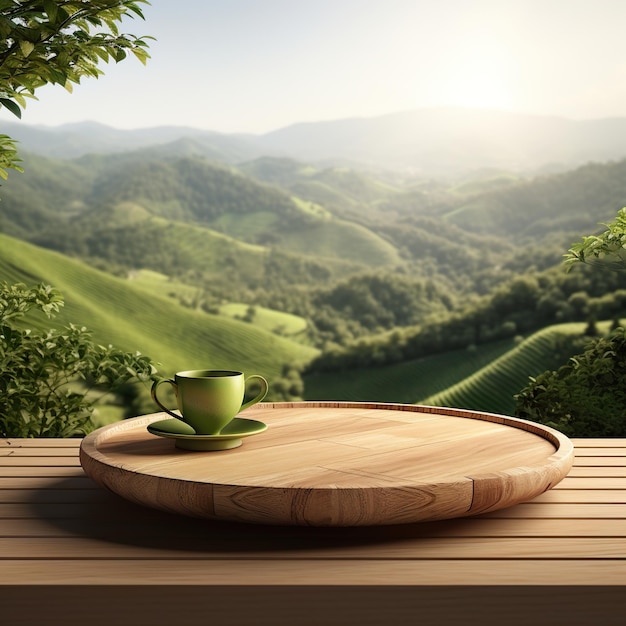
[
  {"x": 5, "y": 27},
  {"x": 50, "y": 8},
  {"x": 26, "y": 47},
  {"x": 12, "y": 106}
]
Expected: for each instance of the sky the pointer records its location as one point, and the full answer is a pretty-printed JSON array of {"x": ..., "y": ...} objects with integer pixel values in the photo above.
[{"x": 253, "y": 66}]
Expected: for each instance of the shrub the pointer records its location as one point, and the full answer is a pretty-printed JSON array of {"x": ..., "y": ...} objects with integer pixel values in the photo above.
[
  {"x": 587, "y": 396},
  {"x": 48, "y": 379}
]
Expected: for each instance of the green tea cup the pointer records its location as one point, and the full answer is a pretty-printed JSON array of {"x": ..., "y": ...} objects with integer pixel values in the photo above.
[{"x": 209, "y": 399}]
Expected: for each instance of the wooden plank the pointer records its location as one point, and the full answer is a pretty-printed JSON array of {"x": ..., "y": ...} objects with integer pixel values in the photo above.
[
  {"x": 39, "y": 461},
  {"x": 600, "y": 461},
  {"x": 284, "y": 572},
  {"x": 76, "y": 495},
  {"x": 167, "y": 529},
  {"x": 41, "y": 471},
  {"x": 33, "y": 442},
  {"x": 49, "y": 482},
  {"x": 546, "y": 510},
  {"x": 54, "y": 451},
  {"x": 479, "y": 548},
  {"x": 104, "y": 508},
  {"x": 591, "y": 482},
  {"x": 583, "y": 496},
  {"x": 306, "y": 605},
  {"x": 600, "y": 451},
  {"x": 598, "y": 442},
  {"x": 598, "y": 472}
]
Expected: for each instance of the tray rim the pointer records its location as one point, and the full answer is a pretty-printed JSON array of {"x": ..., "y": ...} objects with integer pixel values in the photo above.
[{"x": 556, "y": 465}]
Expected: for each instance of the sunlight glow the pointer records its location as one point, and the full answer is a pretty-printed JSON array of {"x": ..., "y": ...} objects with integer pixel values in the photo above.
[{"x": 479, "y": 79}]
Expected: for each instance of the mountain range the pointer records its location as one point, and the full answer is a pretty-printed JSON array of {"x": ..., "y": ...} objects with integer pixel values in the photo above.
[{"x": 428, "y": 142}]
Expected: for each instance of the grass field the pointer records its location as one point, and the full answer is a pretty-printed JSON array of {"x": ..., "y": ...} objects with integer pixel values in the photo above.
[
  {"x": 135, "y": 320},
  {"x": 267, "y": 319},
  {"x": 275, "y": 321},
  {"x": 159, "y": 284},
  {"x": 335, "y": 238}
]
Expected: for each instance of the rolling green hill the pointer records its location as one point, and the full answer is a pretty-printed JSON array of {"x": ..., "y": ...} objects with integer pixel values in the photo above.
[
  {"x": 132, "y": 319},
  {"x": 492, "y": 387},
  {"x": 568, "y": 204},
  {"x": 275, "y": 321},
  {"x": 105, "y": 214},
  {"x": 340, "y": 239},
  {"x": 345, "y": 192},
  {"x": 484, "y": 378},
  {"x": 403, "y": 382}
]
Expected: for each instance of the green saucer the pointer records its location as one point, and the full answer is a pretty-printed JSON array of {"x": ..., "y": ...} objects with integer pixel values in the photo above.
[{"x": 186, "y": 438}]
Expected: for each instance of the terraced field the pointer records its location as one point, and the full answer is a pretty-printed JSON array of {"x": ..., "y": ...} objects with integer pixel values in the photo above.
[
  {"x": 404, "y": 382},
  {"x": 492, "y": 387},
  {"x": 485, "y": 378}
]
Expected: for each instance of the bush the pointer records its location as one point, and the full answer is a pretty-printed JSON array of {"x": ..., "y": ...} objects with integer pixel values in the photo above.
[
  {"x": 584, "y": 398},
  {"x": 47, "y": 379}
]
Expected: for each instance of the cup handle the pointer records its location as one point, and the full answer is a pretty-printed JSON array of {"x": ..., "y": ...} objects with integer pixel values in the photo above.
[
  {"x": 260, "y": 395},
  {"x": 153, "y": 393}
]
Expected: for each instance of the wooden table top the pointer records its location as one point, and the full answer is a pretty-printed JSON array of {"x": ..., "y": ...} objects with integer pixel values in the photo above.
[
  {"x": 75, "y": 553},
  {"x": 337, "y": 464}
]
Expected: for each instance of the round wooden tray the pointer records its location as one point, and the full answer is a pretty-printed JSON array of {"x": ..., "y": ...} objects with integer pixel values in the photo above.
[{"x": 337, "y": 464}]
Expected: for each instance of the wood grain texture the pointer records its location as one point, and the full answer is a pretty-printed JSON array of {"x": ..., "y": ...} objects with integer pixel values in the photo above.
[
  {"x": 74, "y": 553},
  {"x": 335, "y": 464}
]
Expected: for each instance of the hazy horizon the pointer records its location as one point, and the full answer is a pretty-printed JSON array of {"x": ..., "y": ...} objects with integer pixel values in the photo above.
[
  {"x": 312, "y": 121},
  {"x": 250, "y": 67}
]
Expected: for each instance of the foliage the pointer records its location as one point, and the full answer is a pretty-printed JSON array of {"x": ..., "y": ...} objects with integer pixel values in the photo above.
[
  {"x": 587, "y": 396},
  {"x": 607, "y": 249},
  {"x": 8, "y": 156},
  {"x": 48, "y": 378},
  {"x": 58, "y": 42},
  {"x": 288, "y": 387},
  {"x": 524, "y": 304}
]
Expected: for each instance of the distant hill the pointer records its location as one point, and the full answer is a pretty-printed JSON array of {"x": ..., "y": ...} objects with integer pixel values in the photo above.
[
  {"x": 74, "y": 140},
  {"x": 431, "y": 142},
  {"x": 449, "y": 141},
  {"x": 568, "y": 203},
  {"x": 157, "y": 211}
]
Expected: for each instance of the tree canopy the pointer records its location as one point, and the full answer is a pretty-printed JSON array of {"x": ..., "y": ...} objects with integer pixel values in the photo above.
[{"x": 58, "y": 42}]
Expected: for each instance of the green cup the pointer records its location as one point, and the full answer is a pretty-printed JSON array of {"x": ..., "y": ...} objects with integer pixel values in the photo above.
[{"x": 209, "y": 399}]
